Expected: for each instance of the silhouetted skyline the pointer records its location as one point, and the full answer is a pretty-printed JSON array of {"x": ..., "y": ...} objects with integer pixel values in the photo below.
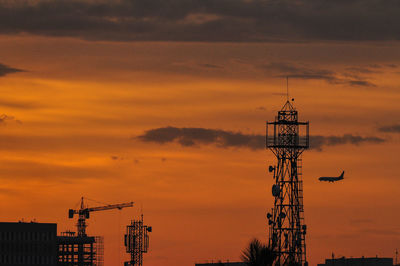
[{"x": 164, "y": 103}]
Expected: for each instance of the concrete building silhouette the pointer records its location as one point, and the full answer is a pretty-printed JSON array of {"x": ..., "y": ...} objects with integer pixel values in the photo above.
[
  {"x": 374, "y": 261},
  {"x": 28, "y": 244}
]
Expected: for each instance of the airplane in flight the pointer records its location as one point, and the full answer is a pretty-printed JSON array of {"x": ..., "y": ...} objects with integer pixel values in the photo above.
[{"x": 331, "y": 179}]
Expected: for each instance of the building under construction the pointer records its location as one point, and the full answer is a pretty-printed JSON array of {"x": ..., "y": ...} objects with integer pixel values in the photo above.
[
  {"x": 79, "y": 250},
  {"x": 287, "y": 138}
]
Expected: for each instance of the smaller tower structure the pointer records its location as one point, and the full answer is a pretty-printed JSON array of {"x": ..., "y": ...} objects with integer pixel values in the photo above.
[{"x": 137, "y": 241}]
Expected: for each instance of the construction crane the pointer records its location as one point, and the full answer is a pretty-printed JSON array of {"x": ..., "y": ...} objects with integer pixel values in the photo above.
[{"x": 84, "y": 211}]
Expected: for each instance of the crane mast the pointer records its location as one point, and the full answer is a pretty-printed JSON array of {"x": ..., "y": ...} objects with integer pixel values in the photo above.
[{"x": 84, "y": 213}]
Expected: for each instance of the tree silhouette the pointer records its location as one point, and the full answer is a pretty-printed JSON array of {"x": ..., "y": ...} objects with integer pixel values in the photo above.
[{"x": 258, "y": 254}]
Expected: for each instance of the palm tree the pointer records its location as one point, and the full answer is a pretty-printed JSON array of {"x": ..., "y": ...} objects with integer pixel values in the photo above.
[{"x": 258, "y": 254}]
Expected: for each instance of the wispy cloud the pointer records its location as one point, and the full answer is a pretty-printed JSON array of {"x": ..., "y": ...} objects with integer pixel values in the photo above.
[
  {"x": 19, "y": 104},
  {"x": 352, "y": 76},
  {"x": 5, "y": 70},
  {"x": 51, "y": 172},
  {"x": 225, "y": 139},
  {"x": 6, "y": 118},
  {"x": 212, "y": 66},
  {"x": 395, "y": 128},
  {"x": 317, "y": 142}
]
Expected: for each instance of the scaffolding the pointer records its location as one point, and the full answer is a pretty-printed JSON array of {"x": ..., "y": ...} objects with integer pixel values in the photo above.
[
  {"x": 80, "y": 250},
  {"x": 287, "y": 138}
]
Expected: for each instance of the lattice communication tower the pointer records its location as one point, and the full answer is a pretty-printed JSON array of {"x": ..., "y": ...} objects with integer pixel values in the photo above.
[
  {"x": 137, "y": 241},
  {"x": 287, "y": 138}
]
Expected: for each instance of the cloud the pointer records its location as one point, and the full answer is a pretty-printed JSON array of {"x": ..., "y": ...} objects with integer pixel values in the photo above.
[
  {"x": 5, "y": 70},
  {"x": 47, "y": 171},
  {"x": 225, "y": 139},
  {"x": 379, "y": 232},
  {"x": 19, "y": 104},
  {"x": 6, "y": 118},
  {"x": 117, "y": 158},
  {"x": 204, "y": 20},
  {"x": 262, "y": 108},
  {"x": 390, "y": 128},
  {"x": 210, "y": 66},
  {"x": 8, "y": 191},
  {"x": 352, "y": 77},
  {"x": 197, "y": 136},
  {"x": 317, "y": 142}
]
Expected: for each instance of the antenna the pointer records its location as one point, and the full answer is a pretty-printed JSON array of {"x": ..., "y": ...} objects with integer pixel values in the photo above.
[{"x": 287, "y": 88}]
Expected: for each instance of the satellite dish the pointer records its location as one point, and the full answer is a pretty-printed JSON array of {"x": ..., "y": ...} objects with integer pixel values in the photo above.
[
  {"x": 276, "y": 190},
  {"x": 271, "y": 168}
]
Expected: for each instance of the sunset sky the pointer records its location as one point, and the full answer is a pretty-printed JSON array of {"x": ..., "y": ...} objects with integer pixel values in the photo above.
[{"x": 164, "y": 103}]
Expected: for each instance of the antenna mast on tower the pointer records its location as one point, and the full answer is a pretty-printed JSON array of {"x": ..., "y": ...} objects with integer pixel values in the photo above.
[{"x": 287, "y": 88}]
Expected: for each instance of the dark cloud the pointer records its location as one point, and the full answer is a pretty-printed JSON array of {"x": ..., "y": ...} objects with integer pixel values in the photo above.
[
  {"x": 198, "y": 136},
  {"x": 317, "y": 142},
  {"x": 352, "y": 76},
  {"x": 204, "y": 20},
  {"x": 390, "y": 128},
  {"x": 226, "y": 139},
  {"x": 362, "y": 83},
  {"x": 363, "y": 70},
  {"x": 5, "y": 70}
]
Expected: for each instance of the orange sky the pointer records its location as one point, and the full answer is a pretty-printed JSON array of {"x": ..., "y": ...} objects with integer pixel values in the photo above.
[{"x": 80, "y": 102}]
